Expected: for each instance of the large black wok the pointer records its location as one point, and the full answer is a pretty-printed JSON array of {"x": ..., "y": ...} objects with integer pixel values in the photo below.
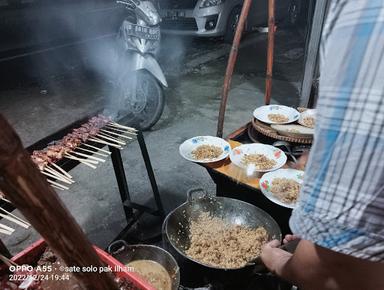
[{"x": 233, "y": 211}]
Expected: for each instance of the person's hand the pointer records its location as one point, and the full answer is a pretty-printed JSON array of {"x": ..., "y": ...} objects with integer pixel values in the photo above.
[
  {"x": 301, "y": 162},
  {"x": 289, "y": 238},
  {"x": 275, "y": 258}
]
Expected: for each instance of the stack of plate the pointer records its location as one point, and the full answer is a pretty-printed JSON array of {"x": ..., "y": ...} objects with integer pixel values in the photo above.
[{"x": 292, "y": 130}]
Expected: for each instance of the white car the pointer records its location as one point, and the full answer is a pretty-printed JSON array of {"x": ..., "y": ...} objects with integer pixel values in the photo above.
[{"x": 213, "y": 18}]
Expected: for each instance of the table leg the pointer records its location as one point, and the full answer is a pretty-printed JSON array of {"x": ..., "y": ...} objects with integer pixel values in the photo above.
[
  {"x": 121, "y": 182},
  {"x": 150, "y": 173}
]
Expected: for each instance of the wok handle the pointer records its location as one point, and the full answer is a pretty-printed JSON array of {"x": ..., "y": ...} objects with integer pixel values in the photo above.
[
  {"x": 116, "y": 245},
  {"x": 193, "y": 191}
]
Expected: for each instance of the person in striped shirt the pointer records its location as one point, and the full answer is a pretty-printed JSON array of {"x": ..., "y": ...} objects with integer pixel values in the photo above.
[{"x": 340, "y": 214}]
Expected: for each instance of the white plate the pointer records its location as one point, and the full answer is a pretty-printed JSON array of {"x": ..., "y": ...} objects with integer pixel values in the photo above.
[
  {"x": 261, "y": 113},
  {"x": 307, "y": 113},
  {"x": 269, "y": 151},
  {"x": 266, "y": 183},
  {"x": 189, "y": 145},
  {"x": 294, "y": 130}
]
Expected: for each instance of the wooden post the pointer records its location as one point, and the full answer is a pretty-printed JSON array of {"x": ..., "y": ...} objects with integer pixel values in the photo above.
[
  {"x": 29, "y": 191},
  {"x": 270, "y": 51},
  {"x": 231, "y": 65}
]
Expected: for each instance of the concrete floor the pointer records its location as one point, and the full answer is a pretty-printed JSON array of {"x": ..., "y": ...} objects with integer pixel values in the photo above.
[{"x": 195, "y": 70}]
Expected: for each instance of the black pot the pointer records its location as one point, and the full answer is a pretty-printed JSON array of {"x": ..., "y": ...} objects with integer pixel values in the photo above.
[{"x": 125, "y": 253}]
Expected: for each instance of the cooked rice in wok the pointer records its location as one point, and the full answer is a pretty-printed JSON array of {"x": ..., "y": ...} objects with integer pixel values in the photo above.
[
  {"x": 286, "y": 190},
  {"x": 217, "y": 243},
  {"x": 309, "y": 122},
  {"x": 278, "y": 118},
  {"x": 207, "y": 152},
  {"x": 260, "y": 161}
]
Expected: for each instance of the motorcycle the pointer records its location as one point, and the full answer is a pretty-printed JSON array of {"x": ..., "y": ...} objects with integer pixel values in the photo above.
[{"x": 140, "y": 80}]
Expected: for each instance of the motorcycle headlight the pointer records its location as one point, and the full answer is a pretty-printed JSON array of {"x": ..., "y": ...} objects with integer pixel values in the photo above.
[{"x": 210, "y": 3}]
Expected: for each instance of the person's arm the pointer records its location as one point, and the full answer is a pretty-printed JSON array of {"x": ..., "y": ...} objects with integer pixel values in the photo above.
[{"x": 313, "y": 267}]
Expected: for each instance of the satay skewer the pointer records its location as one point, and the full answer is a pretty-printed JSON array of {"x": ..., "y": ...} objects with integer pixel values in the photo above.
[
  {"x": 121, "y": 130},
  {"x": 99, "y": 149},
  {"x": 61, "y": 170},
  {"x": 61, "y": 176},
  {"x": 15, "y": 216},
  {"x": 116, "y": 134},
  {"x": 6, "y": 200},
  {"x": 56, "y": 177},
  {"x": 94, "y": 139},
  {"x": 57, "y": 184},
  {"x": 102, "y": 135},
  {"x": 11, "y": 219},
  {"x": 114, "y": 124},
  {"x": 7, "y": 228},
  {"x": 56, "y": 187},
  {"x": 93, "y": 152},
  {"x": 5, "y": 232},
  {"x": 81, "y": 161},
  {"x": 88, "y": 156}
]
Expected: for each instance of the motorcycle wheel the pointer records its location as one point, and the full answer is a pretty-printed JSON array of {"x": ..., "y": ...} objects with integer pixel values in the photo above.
[{"x": 142, "y": 100}]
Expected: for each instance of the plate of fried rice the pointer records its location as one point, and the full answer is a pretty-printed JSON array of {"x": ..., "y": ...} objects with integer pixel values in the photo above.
[
  {"x": 258, "y": 158},
  {"x": 205, "y": 149},
  {"x": 276, "y": 114},
  {"x": 308, "y": 118},
  {"x": 282, "y": 186}
]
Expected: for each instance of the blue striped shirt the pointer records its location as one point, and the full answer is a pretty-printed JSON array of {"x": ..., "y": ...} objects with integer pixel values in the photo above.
[{"x": 341, "y": 206}]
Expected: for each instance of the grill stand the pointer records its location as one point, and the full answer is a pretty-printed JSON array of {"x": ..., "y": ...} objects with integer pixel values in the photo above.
[{"x": 132, "y": 210}]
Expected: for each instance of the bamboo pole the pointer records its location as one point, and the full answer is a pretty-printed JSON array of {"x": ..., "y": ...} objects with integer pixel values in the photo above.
[
  {"x": 231, "y": 65},
  {"x": 270, "y": 51},
  {"x": 29, "y": 191}
]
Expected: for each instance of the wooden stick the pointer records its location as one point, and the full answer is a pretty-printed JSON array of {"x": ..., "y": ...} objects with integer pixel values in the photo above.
[
  {"x": 61, "y": 170},
  {"x": 7, "y": 261},
  {"x": 93, "y": 152},
  {"x": 102, "y": 135},
  {"x": 88, "y": 156},
  {"x": 7, "y": 228},
  {"x": 37, "y": 201},
  {"x": 81, "y": 161},
  {"x": 94, "y": 139},
  {"x": 114, "y": 124},
  {"x": 57, "y": 184},
  {"x": 99, "y": 149},
  {"x": 56, "y": 177},
  {"x": 5, "y": 232},
  {"x": 122, "y": 131},
  {"x": 56, "y": 187},
  {"x": 11, "y": 219},
  {"x": 15, "y": 216},
  {"x": 116, "y": 134},
  {"x": 6, "y": 200},
  {"x": 52, "y": 170},
  {"x": 55, "y": 173}
]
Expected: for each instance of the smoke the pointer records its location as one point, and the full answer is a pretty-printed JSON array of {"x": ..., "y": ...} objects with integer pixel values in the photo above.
[
  {"x": 79, "y": 43},
  {"x": 71, "y": 40}
]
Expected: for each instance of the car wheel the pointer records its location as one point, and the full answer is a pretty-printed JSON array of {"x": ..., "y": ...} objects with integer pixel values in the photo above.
[
  {"x": 294, "y": 12},
  {"x": 232, "y": 22}
]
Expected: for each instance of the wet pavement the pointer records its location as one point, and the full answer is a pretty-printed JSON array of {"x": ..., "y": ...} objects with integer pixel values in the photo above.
[{"x": 40, "y": 103}]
